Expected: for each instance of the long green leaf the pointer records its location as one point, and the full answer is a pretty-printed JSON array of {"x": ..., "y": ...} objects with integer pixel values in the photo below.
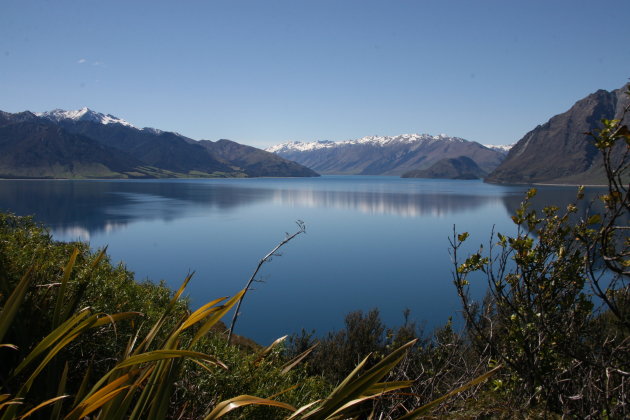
[
  {"x": 52, "y": 338},
  {"x": 6, "y": 400},
  {"x": 76, "y": 323},
  {"x": 197, "y": 316},
  {"x": 61, "y": 293},
  {"x": 121, "y": 407},
  {"x": 148, "y": 339},
  {"x": 352, "y": 389},
  {"x": 74, "y": 299},
  {"x": 302, "y": 409},
  {"x": 97, "y": 404},
  {"x": 9, "y": 346},
  {"x": 267, "y": 350},
  {"x": 215, "y": 317},
  {"x": 51, "y": 354},
  {"x": 64, "y": 341},
  {"x": 42, "y": 405},
  {"x": 201, "y": 313},
  {"x": 12, "y": 304},
  {"x": 156, "y": 355},
  {"x": 241, "y": 401},
  {"x": 383, "y": 387},
  {"x": 61, "y": 389},
  {"x": 375, "y": 391},
  {"x": 296, "y": 360},
  {"x": 97, "y": 395},
  {"x": 84, "y": 384}
]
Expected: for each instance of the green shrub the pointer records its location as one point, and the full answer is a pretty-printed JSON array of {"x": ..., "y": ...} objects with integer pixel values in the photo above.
[{"x": 557, "y": 312}]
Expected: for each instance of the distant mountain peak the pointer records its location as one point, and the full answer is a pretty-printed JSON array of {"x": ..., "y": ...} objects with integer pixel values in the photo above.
[
  {"x": 83, "y": 114},
  {"x": 504, "y": 148}
]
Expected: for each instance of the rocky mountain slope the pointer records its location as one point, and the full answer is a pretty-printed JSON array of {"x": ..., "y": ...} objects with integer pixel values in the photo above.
[
  {"x": 88, "y": 144},
  {"x": 559, "y": 151},
  {"x": 451, "y": 168},
  {"x": 384, "y": 155}
]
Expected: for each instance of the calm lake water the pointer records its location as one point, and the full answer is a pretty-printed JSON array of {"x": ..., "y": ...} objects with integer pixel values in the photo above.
[{"x": 370, "y": 242}]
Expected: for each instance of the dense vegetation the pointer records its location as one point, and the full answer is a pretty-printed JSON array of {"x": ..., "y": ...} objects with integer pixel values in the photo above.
[{"x": 79, "y": 337}]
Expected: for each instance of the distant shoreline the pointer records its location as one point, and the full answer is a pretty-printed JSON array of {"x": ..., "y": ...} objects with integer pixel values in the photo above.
[{"x": 551, "y": 184}]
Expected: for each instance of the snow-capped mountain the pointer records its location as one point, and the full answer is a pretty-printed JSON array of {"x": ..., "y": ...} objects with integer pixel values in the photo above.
[
  {"x": 382, "y": 141},
  {"x": 385, "y": 155},
  {"x": 83, "y": 114},
  {"x": 89, "y": 144}
]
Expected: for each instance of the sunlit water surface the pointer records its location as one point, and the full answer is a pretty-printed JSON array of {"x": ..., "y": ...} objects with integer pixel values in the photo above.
[{"x": 370, "y": 241}]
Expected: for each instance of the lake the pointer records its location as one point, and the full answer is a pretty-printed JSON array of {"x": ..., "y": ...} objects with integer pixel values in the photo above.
[{"x": 370, "y": 241}]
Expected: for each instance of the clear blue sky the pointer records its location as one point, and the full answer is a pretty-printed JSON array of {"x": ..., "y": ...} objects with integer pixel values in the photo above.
[{"x": 262, "y": 72}]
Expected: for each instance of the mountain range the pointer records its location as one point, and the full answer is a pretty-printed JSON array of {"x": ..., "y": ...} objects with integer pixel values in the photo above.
[
  {"x": 385, "y": 155},
  {"x": 89, "y": 144},
  {"x": 559, "y": 151}
]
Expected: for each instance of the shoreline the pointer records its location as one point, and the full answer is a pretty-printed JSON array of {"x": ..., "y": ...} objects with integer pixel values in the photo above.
[{"x": 550, "y": 184}]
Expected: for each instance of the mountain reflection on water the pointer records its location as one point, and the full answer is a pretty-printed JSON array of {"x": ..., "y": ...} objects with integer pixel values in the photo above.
[
  {"x": 559, "y": 196},
  {"x": 83, "y": 208}
]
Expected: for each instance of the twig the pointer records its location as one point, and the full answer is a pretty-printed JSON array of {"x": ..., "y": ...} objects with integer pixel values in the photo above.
[{"x": 301, "y": 229}]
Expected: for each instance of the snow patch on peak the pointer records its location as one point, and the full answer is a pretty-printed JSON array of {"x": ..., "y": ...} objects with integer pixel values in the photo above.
[{"x": 83, "y": 114}]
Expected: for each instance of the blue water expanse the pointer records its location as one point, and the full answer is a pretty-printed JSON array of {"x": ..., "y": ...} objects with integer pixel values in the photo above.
[{"x": 370, "y": 241}]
